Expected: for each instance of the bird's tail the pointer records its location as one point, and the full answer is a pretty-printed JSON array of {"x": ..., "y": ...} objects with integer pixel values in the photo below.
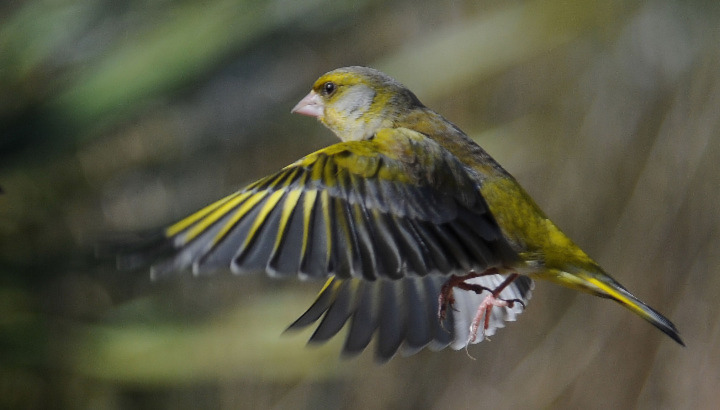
[{"x": 605, "y": 286}]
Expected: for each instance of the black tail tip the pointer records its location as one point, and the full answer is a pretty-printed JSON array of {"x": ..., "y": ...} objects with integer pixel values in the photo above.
[
  {"x": 666, "y": 326},
  {"x": 675, "y": 335}
]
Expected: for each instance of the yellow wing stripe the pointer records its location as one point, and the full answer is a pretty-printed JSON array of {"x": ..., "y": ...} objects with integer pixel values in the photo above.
[
  {"x": 326, "y": 285},
  {"x": 325, "y": 203},
  {"x": 292, "y": 199},
  {"x": 343, "y": 222},
  {"x": 290, "y": 177},
  {"x": 316, "y": 172},
  {"x": 308, "y": 205},
  {"x": 186, "y": 222},
  {"x": 213, "y": 217},
  {"x": 247, "y": 199},
  {"x": 267, "y": 207},
  {"x": 237, "y": 216},
  {"x": 281, "y": 179}
]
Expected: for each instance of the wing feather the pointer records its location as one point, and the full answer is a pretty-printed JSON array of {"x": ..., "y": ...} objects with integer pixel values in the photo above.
[
  {"x": 402, "y": 314},
  {"x": 395, "y": 205},
  {"x": 386, "y": 247},
  {"x": 410, "y": 246},
  {"x": 337, "y": 313},
  {"x": 314, "y": 262},
  {"x": 391, "y": 328},
  {"x": 419, "y": 330},
  {"x": 364, "y": 320},
  {"x": 285, "y": 256}
]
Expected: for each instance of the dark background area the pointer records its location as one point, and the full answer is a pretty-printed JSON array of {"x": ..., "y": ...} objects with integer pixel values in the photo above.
[{"x": 121, "y": 117}]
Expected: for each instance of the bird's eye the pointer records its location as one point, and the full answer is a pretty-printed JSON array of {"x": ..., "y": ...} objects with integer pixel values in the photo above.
[{"x": 328, "y": 88}]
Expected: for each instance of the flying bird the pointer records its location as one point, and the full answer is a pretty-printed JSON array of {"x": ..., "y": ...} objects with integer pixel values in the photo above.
[{"x": 424, "y": 240}]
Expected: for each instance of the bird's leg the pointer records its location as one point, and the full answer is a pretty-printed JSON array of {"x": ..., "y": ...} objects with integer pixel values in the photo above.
[
  {"x": 447, "y": 297},
  {"x": 486, "y": 306}
]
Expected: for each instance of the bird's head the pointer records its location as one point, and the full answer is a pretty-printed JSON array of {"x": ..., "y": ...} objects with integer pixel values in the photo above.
[{"x": 355, "y": 102}]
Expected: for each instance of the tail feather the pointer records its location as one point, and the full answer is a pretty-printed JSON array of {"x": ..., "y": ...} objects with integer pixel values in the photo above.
[{"x": 615, "y": 291}]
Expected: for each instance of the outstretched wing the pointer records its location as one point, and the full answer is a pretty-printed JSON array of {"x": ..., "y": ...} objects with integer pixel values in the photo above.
[
  {"x": 395, "y": 205},
  {"x": 402, "y": 314}
]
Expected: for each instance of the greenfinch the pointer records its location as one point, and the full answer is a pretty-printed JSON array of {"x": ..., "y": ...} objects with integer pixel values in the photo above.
[{"x": 424, "y": 240}]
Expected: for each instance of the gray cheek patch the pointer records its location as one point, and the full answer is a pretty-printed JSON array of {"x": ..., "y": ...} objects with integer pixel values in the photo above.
[{"x": 356, "y": 101}]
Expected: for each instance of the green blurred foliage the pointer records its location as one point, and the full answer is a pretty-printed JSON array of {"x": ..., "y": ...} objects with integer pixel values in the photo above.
[{"x": 120, "y": 117}]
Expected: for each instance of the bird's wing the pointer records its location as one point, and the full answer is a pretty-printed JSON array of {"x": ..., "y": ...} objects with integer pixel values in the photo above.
[
  {"x": 403, "y": 313},
  {"x": 395, "y": 205}
]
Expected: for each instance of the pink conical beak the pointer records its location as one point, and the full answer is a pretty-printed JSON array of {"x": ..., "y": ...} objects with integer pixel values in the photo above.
[{"x": 311, "y": 105}]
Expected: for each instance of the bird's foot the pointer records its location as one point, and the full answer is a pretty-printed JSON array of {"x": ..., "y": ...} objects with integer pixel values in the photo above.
[
  {"x": 485, "y": 308},
  {"x": 447, "y": 297},
  {"x": 482, "y": 316},
  {"x": 483, "y": 312}
]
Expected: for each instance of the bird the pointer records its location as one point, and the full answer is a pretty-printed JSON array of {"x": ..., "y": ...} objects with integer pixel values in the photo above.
[{"x": 422, "y": 238}]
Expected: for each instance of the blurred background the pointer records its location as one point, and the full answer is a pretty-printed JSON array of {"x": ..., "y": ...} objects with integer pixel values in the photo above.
[{"x": 121, "y": 117}]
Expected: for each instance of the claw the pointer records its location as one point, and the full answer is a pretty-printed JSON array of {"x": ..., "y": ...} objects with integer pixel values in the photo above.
[
  {"x": 447, "y": 298},
  {"x": 512, "y": 302},
  {"x": 483, "y": 312}
]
